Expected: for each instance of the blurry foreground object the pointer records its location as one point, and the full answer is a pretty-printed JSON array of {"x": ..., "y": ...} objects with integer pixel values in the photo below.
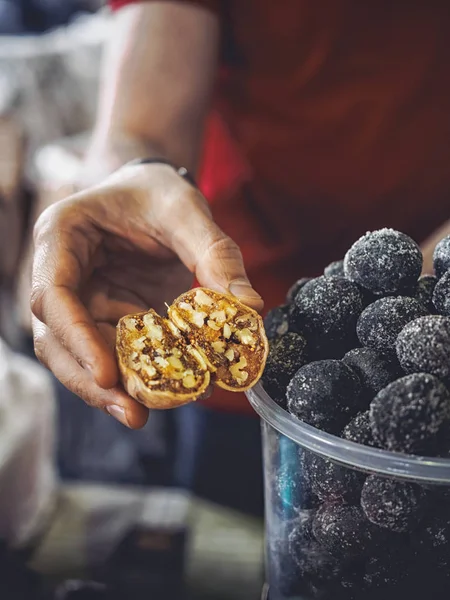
[
  {"x": 27, "y": 474},
  {"x": 48, "y": 91}
]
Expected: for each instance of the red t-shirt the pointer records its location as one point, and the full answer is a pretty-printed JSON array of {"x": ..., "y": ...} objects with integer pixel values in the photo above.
[{"x": 333, "y": 118}]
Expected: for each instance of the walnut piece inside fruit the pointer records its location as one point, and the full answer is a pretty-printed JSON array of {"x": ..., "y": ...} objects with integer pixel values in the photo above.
[{"x": 207, "y": 337}]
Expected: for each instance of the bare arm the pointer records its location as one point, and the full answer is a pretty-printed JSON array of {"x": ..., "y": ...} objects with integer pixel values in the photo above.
[
  {"x": 158, "y": 73},
  {"x": 135, "y": 238}
]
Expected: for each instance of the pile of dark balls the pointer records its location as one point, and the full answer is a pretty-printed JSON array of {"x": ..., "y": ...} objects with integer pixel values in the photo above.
[{"x": 363, "y": 352}]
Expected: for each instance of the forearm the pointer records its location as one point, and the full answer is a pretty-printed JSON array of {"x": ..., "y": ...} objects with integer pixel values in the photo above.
[{"x": 158, "y": 72}]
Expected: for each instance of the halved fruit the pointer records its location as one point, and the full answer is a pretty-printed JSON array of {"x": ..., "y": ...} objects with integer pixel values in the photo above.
[
  {"x": 207, "y": 338},
  {"x": 158, "y": 367},
  {"x": 229, "y": 334}
]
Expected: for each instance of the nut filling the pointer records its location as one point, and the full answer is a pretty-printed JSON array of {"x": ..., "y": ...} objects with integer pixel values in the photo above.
[{"x": 208, "y": 337}]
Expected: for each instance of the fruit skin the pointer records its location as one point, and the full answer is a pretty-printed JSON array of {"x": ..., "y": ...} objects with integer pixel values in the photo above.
[
  {"x": 441, "y": 257},
  {"x": 374, "y": 370},
  {"x": 398, "y": 506},
  {"x": 385, "y": 262},
  {"x": 331, "y": 482},
  {"x": 286, "y": 355},
  {"x": 411, "y": 415},
  {"x": 276, "y": 322},
  {"x": 424, "y": 291},
  {"x": 441, "y": 295},
  {"x": 335, "y": 269},
  {"x": 327, "y": 309},
  {"x": 381, "y": 322},
  {"x": 423, "y": 345},
  {"x": 345, "y": 531},
  {"x": 359, "y": 430},
  {"x": 325, "y": 394}
]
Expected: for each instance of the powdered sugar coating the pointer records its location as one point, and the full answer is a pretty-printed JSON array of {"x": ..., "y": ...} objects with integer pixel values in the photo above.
[
  {"x": 325, "y": 394},
  {"x": 395, "y": 505},
  {"x": 424, "y": 291},
  {"x": 441, "y": 257},
  {"x": 423, "y": 345},
  {"x": 328, "y": 307},
  {"x": 276, "y": 322},
  {"x": 345, "y": 530},
  {"x": 331, "y": 482},
  {"x": 316, "y": 566},
  {"x": 441, "y": 295},
  {"x": 359, "y": 430},
  {"x": 384, "y": 261},
  {"x": 381, "y": 322},
  {"x": 410, "y": 414},
  {"x": 287, "y": 354},
  {"x": 335, "y": 269},
  {"x": 374, "y": 370}
]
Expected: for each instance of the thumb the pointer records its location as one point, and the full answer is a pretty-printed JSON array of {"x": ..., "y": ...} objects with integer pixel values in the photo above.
[{"x": 208, "y": 252}]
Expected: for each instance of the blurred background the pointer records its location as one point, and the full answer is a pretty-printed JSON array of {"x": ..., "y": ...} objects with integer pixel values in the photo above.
[{"x": 81, "y": 498}]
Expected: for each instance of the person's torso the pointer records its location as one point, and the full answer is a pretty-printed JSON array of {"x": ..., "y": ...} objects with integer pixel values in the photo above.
[{"x": 341, "y": 110}]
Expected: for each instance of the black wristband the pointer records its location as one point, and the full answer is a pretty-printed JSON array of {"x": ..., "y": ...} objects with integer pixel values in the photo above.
[{"x": 182, "y": 171}]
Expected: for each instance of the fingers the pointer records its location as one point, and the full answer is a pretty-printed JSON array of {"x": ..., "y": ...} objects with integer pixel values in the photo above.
[
  {"x": 114, "y": 401},
  {"x": 206, "y": 250},
  {"x": 64, "y": 246}
]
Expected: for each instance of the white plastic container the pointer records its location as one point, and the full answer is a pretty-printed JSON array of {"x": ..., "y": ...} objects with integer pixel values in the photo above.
[{"x": 28, "y": 481}]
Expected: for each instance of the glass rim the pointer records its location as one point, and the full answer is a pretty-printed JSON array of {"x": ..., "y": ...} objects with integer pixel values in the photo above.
[{"x": 351, "y": 454}]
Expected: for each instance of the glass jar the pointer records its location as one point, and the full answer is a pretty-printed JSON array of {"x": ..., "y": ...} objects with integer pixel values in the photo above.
[{"x": 346, "y": 521}]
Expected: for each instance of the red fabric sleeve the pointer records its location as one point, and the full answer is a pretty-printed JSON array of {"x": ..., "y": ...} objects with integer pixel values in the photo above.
[{"x": 211, "y": 4}]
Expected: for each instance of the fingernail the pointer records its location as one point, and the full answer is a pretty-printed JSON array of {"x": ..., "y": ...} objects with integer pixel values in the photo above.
[
  {"x": 242, "y": 289},
  {"x": 118, "y": 413}
]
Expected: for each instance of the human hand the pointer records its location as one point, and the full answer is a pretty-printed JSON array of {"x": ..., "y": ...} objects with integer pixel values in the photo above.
[{"x": 130, "y": 243}]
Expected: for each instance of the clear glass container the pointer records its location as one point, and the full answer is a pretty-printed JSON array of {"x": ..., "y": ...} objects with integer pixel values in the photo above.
[{"x": 319, "y": 490}]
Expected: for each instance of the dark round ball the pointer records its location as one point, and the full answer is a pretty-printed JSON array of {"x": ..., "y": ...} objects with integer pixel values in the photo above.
[
  {"x": 441, "y": 295},
  {"x": 295, "y": 288},
  {"x": 395, "y": 505},
  {"x": 359, "y": 430},
  {"x": 333, "y": 483},
  {"x": 315, "y": 565},
  {"x": 276, "y": 322},
  {"x": 441, "y": 257},
  {"x": 287, "y": 354},
  {"x": 411, "y": 415},
  {"x": 381, "y": 322},
  {"x": 384, "y": 262},
  {"x": 328, "y": 308},
  {"x": 324, "y": 394},
  {"x": 374, "y": 370},
  {"x": 424, "y": 291},
  {"x": 423, "y": 345},
  {"x": 345, "y": 531},
  {"x": 335, "y": 269}
]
